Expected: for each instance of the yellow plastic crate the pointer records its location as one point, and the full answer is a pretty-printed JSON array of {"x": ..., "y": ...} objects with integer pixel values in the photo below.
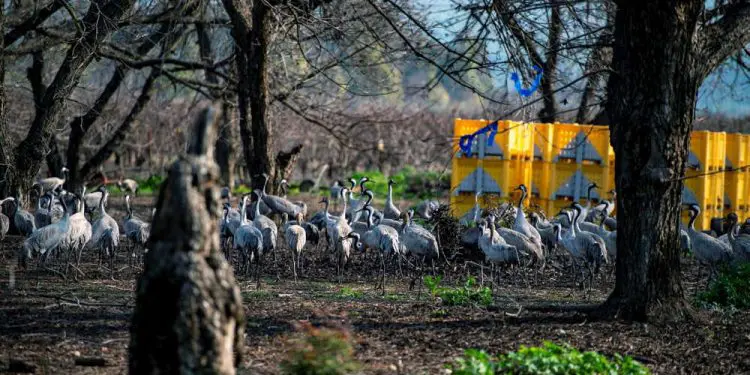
[
  {"x": 541, "y": 185},
  {"x": 505, "y": 175},
  {"x": 593, "y": 141},
  {"x": 708, "y": 193},
  {"x": 513, "y": 140},
  {"x": 707, "y": 151},
  {"x": 737, "y": 151},
  {"x": 736, "y": 186},
  {"x": 544, "y": 135},
  {"x": 462, "y": 178},
  {"x": 461, "y": 203}
]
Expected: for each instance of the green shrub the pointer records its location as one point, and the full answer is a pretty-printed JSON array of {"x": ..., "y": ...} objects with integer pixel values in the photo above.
[
  {"x": 550, "y": 359},
  {"x": 467, "y": 294},
  {"x": 150, "y": 185},
  {"x": 242, "y": 190},
  {"x": 409, "y": 182},
  {"x": 730, "y": 289},
  {"x": 347, "y": 292},
  {"x": 319, "y": 351}
]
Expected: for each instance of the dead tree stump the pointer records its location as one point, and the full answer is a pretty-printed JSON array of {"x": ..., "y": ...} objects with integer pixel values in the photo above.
[{"x": 188, "y": 317}]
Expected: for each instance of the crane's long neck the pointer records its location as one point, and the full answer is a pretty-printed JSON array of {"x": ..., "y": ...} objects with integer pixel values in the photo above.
[
  {"x": 265, "y": 183},
  {"x": 101, "y": 203},
  {"x": 347, "y": 196},
  {"x": 370, "y": 221},
  {"x": 325, "y": 210},
  {"x": 243, "y": 213},
  {"x": 520, "y": 201},
  {"x": 127, "y": 207},
  {"x": 390, "y": 192},
  {"x": 575, "y": 220},
  {"x": 257, "y": 209},
  {"x": 693, "y": 216},
  {"x": 732, "y": 236}
]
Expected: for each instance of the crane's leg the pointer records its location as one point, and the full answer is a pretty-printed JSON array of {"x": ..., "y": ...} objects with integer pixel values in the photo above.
[
  {"x": 382, "y": 261},
  {"x": 294, "y": 266},
  {"x": 258, "y": 266}
]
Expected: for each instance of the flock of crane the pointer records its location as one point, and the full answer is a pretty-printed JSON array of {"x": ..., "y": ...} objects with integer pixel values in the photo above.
[{"x": 584, "y": 237}]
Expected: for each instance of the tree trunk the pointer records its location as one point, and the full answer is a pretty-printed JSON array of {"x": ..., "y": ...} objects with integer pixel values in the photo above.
[
  {"x": 548, "y": 114},
  {"x": 114, "y": 143},
  {"x": 260, "y": 128},
  {"x": 224, "y": 154},
  {"x": 225, "y": 147},
  {"x": 31, "y": 152},
  {"x": 651, "y": 93},
  {"x": 188, "y": 317},
  {"x": 285, "y": 162}
]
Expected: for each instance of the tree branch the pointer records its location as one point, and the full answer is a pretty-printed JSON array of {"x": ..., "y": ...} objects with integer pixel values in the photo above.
[
  {"x": 32, "y": 22},
  {"x": 719, "y": 40}
]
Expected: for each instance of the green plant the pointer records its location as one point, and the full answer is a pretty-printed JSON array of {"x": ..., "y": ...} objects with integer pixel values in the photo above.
[
  {"x": 347, "y": 292},
  {"x": 467, "y": 294},
  {"x": 242, "y": 190},
  {"x": 151, "y": 184},
  {"x": 319, "y": 351},
  {"x": 550, "y": 358},
  {"x": 730, "y": 289}
]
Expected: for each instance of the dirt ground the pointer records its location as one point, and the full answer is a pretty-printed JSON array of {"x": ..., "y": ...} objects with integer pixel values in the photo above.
[{"x": 49, "y": 322}]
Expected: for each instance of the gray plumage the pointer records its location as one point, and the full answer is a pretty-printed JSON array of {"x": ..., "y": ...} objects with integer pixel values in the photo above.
[
  {"x": 51, "y": 183},
  {"x": 521, "y": 225},
  {"x": 494, "y": 247},
  {"x": 105, "y": 232},
  {"x": 278, "y": 204},
  {"x": 267, "y": 228},
  {"x": 45, "y": 241},
  {"x": 390, "y": 211},
  {"x": 295, "y": 237},
  {"x": 128, "y": 185},
  {"x": 338, "y": 235},
  {"x": 92, "y": 200},
  {"x": 136, "y": 230},
  {"x": 584, "y": 246},
  {"x": 740, "y": 244},
  {"x": 416, "y": 239},
  {"x": 79, "y": 231},
  {"x": 425, "y": 209},
  {"x": 354, "y": 205},
  {"x": 248, "y": 239},
  {"x": 707, "y": 249},
  {"x": 23, "y": 219},
  {"x": 42, "y": 216}
]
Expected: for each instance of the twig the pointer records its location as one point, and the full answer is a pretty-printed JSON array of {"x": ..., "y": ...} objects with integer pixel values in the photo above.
[{"x": 76, "y": 302}]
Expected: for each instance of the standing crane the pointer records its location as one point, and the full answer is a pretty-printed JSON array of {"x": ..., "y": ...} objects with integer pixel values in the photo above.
[
  {"x": 248, "y": 239},
  {"x": 391, "y": 211},
  {"x": 105, "y": 233},
  {"x": 521, "y": 225},
  {"x": 338, "y": 234},
  {"x": 267, "y": 228},
  {"x": 708, "y": 250},
  {"x": 278, "y": 204},
  {"x": 296, "y": 237},
  {"x": 23, "y": 219},
  {"x": 45, "y": 240},
  {"x": 52, "y": 183},
  {"x": 136, "y": 231}
]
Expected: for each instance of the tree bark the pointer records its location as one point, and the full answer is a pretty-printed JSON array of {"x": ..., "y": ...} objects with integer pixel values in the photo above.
[
  {"x": 114, "y": 143},
  {"x": 651, "y": 104},
  {"x": 224, "y": 154},
  {"x": 189, "y": 317},
  {"x": 80, "y": 125},
  {"x": 285, "y": 162},
  {"x": 260, "y": 128},
  {"x": 30, "y": 153}
]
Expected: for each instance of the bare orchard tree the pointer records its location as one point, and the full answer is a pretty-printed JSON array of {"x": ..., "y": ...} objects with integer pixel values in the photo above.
[
  {"x": 188, "y": 316},
  {"x": 663, "y": 51},
  {"x": 20, "y": 164}
]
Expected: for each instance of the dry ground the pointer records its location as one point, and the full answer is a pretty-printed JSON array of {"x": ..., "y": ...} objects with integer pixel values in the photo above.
[{"x": 48, "y": 322}]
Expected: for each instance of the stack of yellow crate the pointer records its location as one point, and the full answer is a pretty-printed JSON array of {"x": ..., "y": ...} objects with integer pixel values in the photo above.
[{"x": 558, "y": 162}]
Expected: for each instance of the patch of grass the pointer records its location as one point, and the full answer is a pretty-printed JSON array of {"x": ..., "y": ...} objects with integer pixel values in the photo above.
[
  {"x": 730, "y": 289},
  {"x": 319, "y": 351},
  {"x": 346, "y": 292},
  {"x": 550, "y": 358},
  {"x": 242, "y": 190},
  {"x": 410, "y": 183},
  {"x": 468, "y": 294},
  {"x": 150, "y": 185},
  {"x": 394, "y": 297},
  {"x": 439, "y": 313}
]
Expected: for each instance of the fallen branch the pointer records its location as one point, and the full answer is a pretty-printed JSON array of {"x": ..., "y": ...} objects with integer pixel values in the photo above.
[{"x": 75, "y": 302}]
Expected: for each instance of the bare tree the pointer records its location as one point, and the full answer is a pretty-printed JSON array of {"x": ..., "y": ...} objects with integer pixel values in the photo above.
[
  {"x": 20, "y": 166},
  {"x": 663, "y": 51}
]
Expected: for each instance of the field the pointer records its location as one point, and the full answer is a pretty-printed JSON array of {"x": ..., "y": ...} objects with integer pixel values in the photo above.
[{"x": 49, "y": 322}]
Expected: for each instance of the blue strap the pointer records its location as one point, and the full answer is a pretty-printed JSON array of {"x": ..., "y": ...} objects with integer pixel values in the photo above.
[
  {"x": 534, "y": 85},
  {"x": 466, "y": 141}
]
